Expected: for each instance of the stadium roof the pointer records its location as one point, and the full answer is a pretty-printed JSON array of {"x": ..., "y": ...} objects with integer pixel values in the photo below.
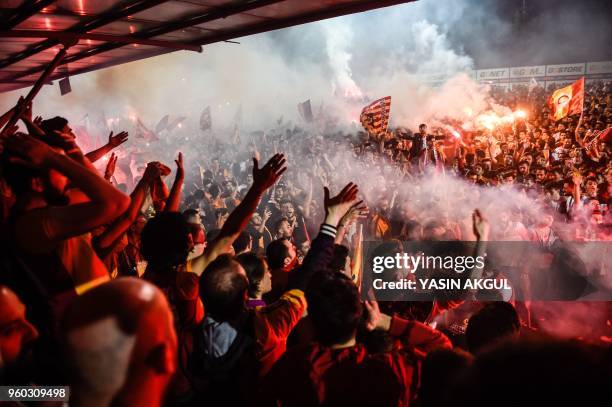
[{"x": 112, "y": 32}]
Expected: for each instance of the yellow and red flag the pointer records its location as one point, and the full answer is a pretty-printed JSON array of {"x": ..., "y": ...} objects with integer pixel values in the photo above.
[
  {"x": 568, "y": 100},
  {"x": 375, "y": 116},
  {"x": 357, "y": 266}
]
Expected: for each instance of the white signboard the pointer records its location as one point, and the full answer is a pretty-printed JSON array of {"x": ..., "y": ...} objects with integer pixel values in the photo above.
[
  {"x": 527, "y": 71},
  {"x": 599, "y": 67},
  {"x": 565, "y": 69},
  {"x": 489, "y": 74}
]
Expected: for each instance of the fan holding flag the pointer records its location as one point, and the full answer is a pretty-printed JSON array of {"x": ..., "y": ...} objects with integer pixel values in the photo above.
[
  {"x": 568, "y": 100},
  {"x": 375, "y": 116}
]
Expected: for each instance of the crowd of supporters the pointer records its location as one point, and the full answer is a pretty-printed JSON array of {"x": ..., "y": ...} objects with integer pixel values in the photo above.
[{"x": 235, "y": 284}]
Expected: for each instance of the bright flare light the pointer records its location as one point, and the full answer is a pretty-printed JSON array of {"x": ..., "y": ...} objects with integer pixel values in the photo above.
[{"x": 521, "y": 114}]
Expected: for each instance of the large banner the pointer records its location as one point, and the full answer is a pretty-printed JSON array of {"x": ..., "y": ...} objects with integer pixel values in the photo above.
[
  {"x": 595, "y": 68},
  {"x": 492, "y": 74},
  {"x": 528, "y": 71},
  {"x": 554, "y": 75},
  {"x": 565, "y": 69}
]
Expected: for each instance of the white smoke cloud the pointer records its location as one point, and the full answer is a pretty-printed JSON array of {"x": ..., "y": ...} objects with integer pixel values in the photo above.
[
  {"x": 338, "y": 38},
  {"x": 270, "y": 73}
]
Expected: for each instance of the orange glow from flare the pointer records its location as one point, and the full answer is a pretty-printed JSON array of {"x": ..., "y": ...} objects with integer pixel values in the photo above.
[
  {"x": 521, "y": 114},
  {"x": 491, "y": 120}
]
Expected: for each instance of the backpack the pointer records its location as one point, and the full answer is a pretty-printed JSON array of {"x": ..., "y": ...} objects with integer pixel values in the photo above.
[{"x": 231, "y": 378}]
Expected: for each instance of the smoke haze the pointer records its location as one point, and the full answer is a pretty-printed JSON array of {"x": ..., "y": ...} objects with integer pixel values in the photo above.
[{"x": 342, "y": 63}]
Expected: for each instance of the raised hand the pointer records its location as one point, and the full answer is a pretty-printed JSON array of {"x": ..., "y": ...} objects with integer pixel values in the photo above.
[
  {"x": 110, "y": 167},
  {"x": 357, "y": 211},
  {"x": 266, "y": 215},
  {"x": 180, "y": 170},
  {"x": 336, "y": 207},
  {"x": 480, "y": 225},
  {"x": 28, "y": 151},
  {"x": 116, "y": 141},
  {"x": 376, "y": 319},
  {"x": 266, "y": 176}
]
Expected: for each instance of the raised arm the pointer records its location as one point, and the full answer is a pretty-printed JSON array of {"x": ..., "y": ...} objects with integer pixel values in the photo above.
[
  {"x": 267, "y": 214},
  {"x": 414, "y": 335},
  {"x": 109, "y": 171},
  {"x": 481, "y": 229},
  {"x": 263, "y": 178},
  {"x": 355, "y": 213},
  {"x": 576, "y": 134},
  {"x": 321, "y": 251},
  {"x": 174, "y": 200},
  {"x": 577, "y": 180},
  {"x": 106, "y": 202},
  {"x": 113, "y": 142},
  {"x": 121, "y": 225},
  {"x": 308, "y": 199}
]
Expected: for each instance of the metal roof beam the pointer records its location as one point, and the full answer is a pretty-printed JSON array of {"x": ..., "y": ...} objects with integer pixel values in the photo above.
[
  {"x": 125, "y": 39},
  {"x": 185, "y": 22},
  {"x": 23, "y": 12},
  {"x": 114, "y": 14}
]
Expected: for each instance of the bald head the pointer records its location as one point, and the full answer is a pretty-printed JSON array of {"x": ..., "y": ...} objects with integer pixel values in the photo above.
[
  {"x": 223, "y": 288},
  {"x": 124, "y": 325}
]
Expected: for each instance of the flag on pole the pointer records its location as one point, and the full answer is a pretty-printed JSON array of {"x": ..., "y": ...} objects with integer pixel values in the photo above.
[
  {"x": 205, "y": 119},
  {"x": 375, "y": 116},
  {"x": 533, "y": 84},
  {"x": 163, "y": 124},
  {"x": 568, "y": 100},
  {"x": 305, "y": 110},
  {"x": 174, "y": 123},
  {"x": 236, "y": 139},
  {"x": 599, "y": 135}
]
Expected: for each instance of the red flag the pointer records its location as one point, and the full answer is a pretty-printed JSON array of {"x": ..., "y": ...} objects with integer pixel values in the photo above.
[
  {"x": 375, "y": 116},
  {"x": 568, "y": 100}
]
